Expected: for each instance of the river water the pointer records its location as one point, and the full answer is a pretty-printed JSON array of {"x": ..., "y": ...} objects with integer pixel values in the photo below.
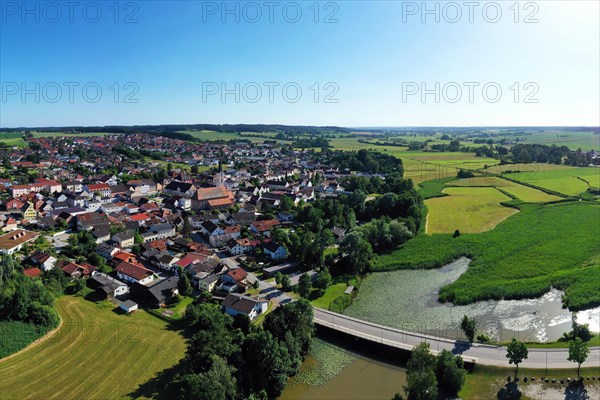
[{"x": 408, "y": 300}]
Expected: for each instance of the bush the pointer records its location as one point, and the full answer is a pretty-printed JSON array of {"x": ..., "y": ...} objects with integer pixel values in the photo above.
[{"x": 340, "y": 303}]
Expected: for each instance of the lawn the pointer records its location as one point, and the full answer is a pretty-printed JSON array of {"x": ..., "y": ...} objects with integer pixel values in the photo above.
[
  {"x": 97, "y": 353},
  {"x": 468, "y": 209},
  {"x": 542, "y": 246},
  {"x": 484, "y": 382},
  {"x": 331, "y": 293},
  {"x": 522, "y": 192}
]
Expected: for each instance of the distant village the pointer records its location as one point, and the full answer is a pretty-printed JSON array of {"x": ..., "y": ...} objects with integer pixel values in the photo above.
[{"x": 203, "y": 209}]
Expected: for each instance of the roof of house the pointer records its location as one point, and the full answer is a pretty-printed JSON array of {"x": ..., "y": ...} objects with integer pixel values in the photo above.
[
  {"x": 135, "y": 271},
  {"x": 163, "y": 289},
  {"x": 265, "y": 225},
  {"x": 272, "y": 246},
  {"x": 32, "y": 272},
  {"x": 240, "y": 302},
  {"x": 238, "y": 274},
  {"x": 15, "y": 238}
]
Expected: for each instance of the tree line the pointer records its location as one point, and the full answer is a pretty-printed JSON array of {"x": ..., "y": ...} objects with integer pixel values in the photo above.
[{"x": 229, "y": 358}]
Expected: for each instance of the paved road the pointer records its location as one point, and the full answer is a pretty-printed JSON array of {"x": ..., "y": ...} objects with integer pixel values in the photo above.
[{"x": 479, "y": 353}]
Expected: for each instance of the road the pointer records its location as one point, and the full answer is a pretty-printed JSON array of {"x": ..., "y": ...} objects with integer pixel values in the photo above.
[{"x": 478, "y": 353}]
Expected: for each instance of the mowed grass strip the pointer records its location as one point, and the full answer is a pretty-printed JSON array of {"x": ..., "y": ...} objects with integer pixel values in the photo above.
[
  {"x": 96, "y": 354},
  {"x": 541, "y": 247},
  {"x": 524, "y": 193},
  {"x": 468, "y": 209}
]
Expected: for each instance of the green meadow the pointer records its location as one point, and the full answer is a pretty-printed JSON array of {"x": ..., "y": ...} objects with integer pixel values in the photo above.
[{"x": 468, "y": 209}]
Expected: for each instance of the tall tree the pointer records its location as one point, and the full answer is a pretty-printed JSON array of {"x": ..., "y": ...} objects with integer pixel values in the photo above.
[
  {"x": 516, "y": 352},
  {"x": 304, "y": 286},
  {"x": 469, "y": 327},
  {"x": 421, "y": 382},
  {"x": 578, "y": 353},
  {"x": 357, "y": 253}
]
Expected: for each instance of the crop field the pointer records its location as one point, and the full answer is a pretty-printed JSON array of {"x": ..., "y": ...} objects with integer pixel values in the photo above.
[
  {"x": 12, "y": 139},
  {"x": 16, "y": 335},
  {"x": 524, "y": 193},
  {"x": 468, "y": 209},
  {"x": 97, "y": 353},
  {"x": 568, "y": 180},
  {"x": 573, "y": 140},
  {"x": 541, "y": 247},
  {"x": 213, "y": 136},
  {"x": 82, "y": 134}
]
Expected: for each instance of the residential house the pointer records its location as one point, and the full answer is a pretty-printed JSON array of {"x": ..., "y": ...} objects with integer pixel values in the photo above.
[
  {"x": 275, "y": 251},
  {"x": 125, "y": 239},
  {"x": 206, "y": 281},
  {"x": 264, "y": 227},
  {"x": 107, "y": 287},
  {"x": 12, "y": 242},
  {"x": 235, "y": 304},
  {"x": 130, "y": 272}
]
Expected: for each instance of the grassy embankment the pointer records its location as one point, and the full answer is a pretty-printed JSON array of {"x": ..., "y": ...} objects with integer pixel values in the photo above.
[{"x": 485, "y": 382}]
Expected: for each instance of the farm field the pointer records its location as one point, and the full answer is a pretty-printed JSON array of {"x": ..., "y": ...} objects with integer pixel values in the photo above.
[
  {"x": 572, "y": 139},
  {"x": 568, "y": 180},
  {"x": 97, "y": 353},
  {"x": 82, "y": 134},
  {"x": 213, "y": 136},
  {"x": 12, "y": 139},
  {"x": 540, "y": 247},
  {"x": 468, "y": 209},
  {"x": 524, "y": 193}
]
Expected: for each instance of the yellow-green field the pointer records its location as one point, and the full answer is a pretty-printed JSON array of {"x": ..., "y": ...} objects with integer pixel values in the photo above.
[
  {"x": 96, "y": 354},
  {"x": 468, "y": 209},
  {"x": 563, "y": 179},
  {"x": 524, "y": 193}
]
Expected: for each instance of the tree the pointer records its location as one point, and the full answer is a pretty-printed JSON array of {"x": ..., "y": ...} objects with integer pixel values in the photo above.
[
  {"x": 469, "y": 327},
  {"x": 184, "y": 285},
  {"x": 137, "y": 238},
  {"x": 187, "y": 226},
  {"x": 578, "y": 353},
  {"x": 284, "y": 281},
  {"x": 516, "y": 352},
  {"x": 358, "y": 253},
  {"x": 450, "y": 371},
  {"x": 323, "y": 279},
  {"x": 421, "y": 382},
  {"x": 304, "y": 286},
  {"x": 217, "y": 383}
]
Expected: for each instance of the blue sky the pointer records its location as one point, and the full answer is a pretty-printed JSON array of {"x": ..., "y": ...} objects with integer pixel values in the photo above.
[{"x": 356, "y": 63}]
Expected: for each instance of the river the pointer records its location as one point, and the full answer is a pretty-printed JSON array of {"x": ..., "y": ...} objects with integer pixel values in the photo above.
[{"x": 339, "y": 369}]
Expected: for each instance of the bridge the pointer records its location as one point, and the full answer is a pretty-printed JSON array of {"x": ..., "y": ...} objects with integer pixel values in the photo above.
[{"x": 473, "y": 353}]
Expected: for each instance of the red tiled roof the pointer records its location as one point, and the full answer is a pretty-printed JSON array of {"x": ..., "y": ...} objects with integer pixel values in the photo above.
[
  {"x": 135, "y": 271},
  {"x": 32, "y": 272}
]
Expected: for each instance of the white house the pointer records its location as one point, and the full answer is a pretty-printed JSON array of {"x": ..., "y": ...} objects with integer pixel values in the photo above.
[
  {"x": 235, "y": 304},
  {"x": 275, "y": 251}
]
